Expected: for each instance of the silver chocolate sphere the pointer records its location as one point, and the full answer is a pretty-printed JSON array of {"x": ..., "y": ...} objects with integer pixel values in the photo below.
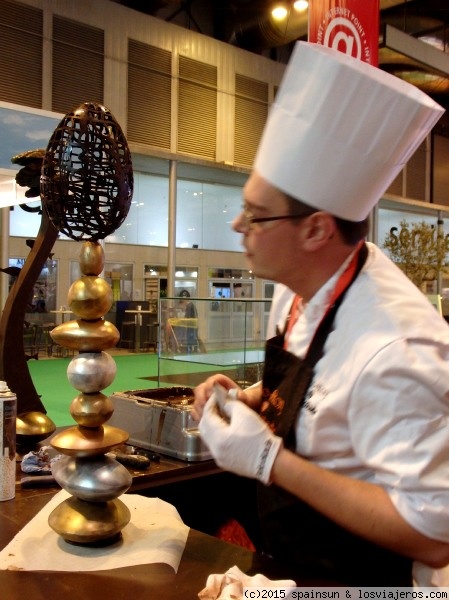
[
  {"x": 91, "y": 372},
  {"x": 96, "y": 479}
]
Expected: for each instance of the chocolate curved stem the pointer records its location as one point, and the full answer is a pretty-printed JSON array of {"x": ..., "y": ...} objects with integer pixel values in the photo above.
[{"x": 13, "y": 364}]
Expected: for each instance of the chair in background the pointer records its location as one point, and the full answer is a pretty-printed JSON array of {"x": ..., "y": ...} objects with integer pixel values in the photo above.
[
  {"x": 127, "y": 334},
  {"x": 44, "y": 341},
  {"x": 152, "y": 337},
  {"x": 29, "y": 340}
]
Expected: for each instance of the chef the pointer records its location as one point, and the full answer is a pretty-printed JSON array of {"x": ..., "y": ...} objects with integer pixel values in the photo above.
[{"x": 347, "y": 436}]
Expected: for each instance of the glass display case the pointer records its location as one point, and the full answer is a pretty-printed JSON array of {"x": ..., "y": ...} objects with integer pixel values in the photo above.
[{"x": 202, "y": 336}]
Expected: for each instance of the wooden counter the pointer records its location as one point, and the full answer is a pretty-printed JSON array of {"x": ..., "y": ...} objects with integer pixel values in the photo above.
[{"x": 203, "y": 554}]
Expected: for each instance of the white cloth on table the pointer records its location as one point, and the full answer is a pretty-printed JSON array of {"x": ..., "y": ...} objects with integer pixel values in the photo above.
[
  {"x": 155, "y": 534},
  {"x": 229, "y": 585}
]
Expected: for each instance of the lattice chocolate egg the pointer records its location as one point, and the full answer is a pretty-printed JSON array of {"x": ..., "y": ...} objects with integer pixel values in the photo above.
[{"x": 87, "y": 178}]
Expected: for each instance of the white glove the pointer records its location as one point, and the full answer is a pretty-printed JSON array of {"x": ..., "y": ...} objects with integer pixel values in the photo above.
[{"x": 238, "y": 438}]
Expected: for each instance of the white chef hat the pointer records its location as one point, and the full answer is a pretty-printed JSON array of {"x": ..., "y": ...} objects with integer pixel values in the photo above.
[{"x": 340, "y": 131}]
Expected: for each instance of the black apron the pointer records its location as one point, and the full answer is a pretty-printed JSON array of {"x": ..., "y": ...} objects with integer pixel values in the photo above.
[{"x": 292, "y": 531}]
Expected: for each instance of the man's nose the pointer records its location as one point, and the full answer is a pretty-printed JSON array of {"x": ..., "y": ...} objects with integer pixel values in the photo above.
[{"x": 238, "y": 224}]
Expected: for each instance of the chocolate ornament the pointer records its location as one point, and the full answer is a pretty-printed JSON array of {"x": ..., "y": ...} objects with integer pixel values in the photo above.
[
  {"x": 87, "y": 178},
  {"x": 86, "y": 188}
]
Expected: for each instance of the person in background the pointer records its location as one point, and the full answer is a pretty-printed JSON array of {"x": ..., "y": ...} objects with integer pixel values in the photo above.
[
  {"x": 346, "y": 437},
  {"x": 190, "y": 312},
  {"x": 187, "y": 305}
]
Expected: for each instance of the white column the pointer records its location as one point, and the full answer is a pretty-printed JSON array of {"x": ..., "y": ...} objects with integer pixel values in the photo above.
[
  {"x": 171, "y": 267},
  {"x": 4, "y": 254}
]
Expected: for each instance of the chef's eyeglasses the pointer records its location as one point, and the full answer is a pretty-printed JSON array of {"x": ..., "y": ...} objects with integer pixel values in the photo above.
[{"x": 249, "y": 222}]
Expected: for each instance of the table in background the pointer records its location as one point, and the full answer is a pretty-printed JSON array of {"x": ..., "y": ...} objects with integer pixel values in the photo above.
[
  {"x": 62, "y": 313},
  {"x": 138, "y": 321}
]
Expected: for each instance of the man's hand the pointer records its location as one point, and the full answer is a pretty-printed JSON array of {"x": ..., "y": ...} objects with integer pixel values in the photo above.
[
  {"x": 205, "y": 390},
  {"x": 238, "y": 439},
  {"x": 252, "y": 396}
]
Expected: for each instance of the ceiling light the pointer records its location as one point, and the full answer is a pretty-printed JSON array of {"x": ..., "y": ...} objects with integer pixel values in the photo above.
[
  {"x": 301, "y": 5},
  {"x": 279, "y": 12}
]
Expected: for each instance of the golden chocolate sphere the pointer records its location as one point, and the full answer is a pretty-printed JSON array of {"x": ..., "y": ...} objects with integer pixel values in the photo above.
[
  {"x": 34, "y": 424},
  {"x": 91, "y": 258},
  {"x": 91, "y": 410},
  {"x": 87, "y": 522},
  {"x": 84, "y": 441},
  {"x": 90, "y": 297},
  {"x": 86, "y": 336}
]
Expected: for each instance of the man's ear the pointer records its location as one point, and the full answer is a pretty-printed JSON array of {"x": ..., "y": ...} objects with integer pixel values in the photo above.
[{"x": 317, "y": 230}]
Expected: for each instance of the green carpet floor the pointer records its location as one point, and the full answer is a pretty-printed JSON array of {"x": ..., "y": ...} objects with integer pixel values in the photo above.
[
  {"x": 51, "y": 383},
  {"x": 134, "y": 372}
]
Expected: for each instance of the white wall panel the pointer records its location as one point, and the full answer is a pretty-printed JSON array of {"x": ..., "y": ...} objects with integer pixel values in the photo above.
[{"x": 120, "y": 23}]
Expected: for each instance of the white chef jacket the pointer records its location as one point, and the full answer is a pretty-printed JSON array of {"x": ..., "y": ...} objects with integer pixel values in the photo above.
[{"x": 378, "y": 405}]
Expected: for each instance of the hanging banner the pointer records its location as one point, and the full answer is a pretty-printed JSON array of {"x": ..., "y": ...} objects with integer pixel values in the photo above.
[{"x": 351, "y": 26}]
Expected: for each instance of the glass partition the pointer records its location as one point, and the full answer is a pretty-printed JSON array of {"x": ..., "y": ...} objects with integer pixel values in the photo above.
[{"x": 196, "y": 340}]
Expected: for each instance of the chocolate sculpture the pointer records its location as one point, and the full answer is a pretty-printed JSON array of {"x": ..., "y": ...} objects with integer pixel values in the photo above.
[{"x": 86, "y": 189}]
